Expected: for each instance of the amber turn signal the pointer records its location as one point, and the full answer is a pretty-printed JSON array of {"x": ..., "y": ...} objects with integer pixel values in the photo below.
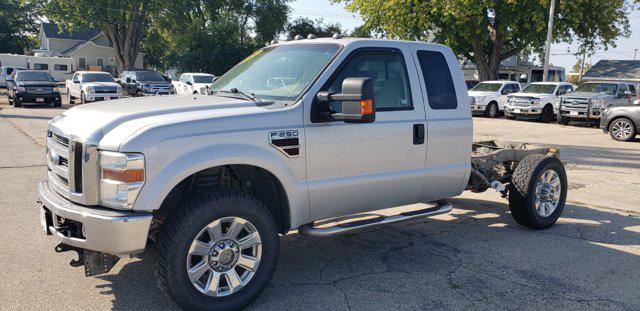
[
  {"x": 128, "y": 176},
  {"x": 366, "y": 106}
]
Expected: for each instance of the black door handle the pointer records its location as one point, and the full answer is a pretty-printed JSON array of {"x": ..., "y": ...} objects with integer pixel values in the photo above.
[{"x": 418, "y": 134}]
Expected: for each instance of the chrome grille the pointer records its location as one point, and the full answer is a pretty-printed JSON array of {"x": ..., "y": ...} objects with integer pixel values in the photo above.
[
  {"x": 520, "y": 101},
  {"x": 39, "y": 89},
  {"x": 576, "y": 104},
  {"x": 105, "y": 90}
]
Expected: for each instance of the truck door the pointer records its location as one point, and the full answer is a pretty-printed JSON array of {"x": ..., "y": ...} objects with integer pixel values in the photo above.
[
  {"x": 355, "y": 167},
  {"x": 449, "y": 123}
]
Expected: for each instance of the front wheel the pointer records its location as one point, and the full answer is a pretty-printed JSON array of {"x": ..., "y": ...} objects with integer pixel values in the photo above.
[
  {"x": 561, "y": 120},
  {"x": 538, "y": 191},
  {"x": 547, "y": 114},
  {"x": 492, "y": 110},
  {"x": 217, "y": 252},
  {"x": 622, "y": 129},
  {"x": 82, "y": 99}
]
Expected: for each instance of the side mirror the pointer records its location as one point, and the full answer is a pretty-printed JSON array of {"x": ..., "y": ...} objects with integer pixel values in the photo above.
[
  {"x": 10, "y": 78},
  {"x": 76, "y": 81},
  {"x": 128, "y": 80},
  {"x": 504, "y": 92},
  {"x": 356, "y": 99},
  {"x": 189, "y": 83}
]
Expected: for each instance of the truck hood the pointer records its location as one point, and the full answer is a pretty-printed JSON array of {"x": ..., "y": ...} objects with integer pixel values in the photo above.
[
  {"x": 119, "y": 119},
  {"x": 481, "y": 93},
  {"x": 532, "y": 95},
  {"x": 588, "y": 95},
  {"x": 36, "y": 83},
  {"x": 100, "y": 84}
]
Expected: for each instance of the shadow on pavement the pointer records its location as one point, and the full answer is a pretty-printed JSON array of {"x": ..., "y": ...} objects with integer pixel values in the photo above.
[{"x": 475, "y": 257}]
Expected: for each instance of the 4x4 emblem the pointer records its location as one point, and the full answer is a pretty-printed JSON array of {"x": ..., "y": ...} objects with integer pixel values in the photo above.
[{"x": 286, "y": 141}]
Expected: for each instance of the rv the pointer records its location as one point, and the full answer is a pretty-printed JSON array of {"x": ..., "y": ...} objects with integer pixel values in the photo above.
[{"x": 60, "y": 68}]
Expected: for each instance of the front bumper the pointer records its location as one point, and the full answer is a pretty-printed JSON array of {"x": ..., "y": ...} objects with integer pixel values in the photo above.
[
  {"x": 581, "y": 114},
  {"x": 99, "y": 229},
  {"x": 39, "y": 98},
  {"x": 478, "y": 107},
  {"x": 523, "y": 111},
  {"x": 100, "y": 97}
]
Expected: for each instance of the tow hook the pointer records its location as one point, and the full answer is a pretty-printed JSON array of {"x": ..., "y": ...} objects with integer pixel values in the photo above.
[{"x": 94, "y": 262}]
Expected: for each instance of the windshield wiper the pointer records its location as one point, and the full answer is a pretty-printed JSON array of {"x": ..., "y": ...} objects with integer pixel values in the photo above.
[{"x": 249, "y": 96}]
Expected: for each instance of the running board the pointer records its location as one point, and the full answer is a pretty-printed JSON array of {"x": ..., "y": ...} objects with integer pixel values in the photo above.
[{"x": 308, "y": 229}]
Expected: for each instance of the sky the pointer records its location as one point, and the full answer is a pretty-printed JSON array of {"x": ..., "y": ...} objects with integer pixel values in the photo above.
[{"x": 561, "y": 54}]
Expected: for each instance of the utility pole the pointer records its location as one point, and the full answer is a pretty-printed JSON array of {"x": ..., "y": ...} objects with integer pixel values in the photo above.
[
  {"x": 635, "y": 51},
  {"x": 584, "y": 54},
  {"x": 547, "y": 49}
]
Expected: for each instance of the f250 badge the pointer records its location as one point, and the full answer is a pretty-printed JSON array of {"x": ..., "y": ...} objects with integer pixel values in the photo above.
[{"x": 287, "y": 141}]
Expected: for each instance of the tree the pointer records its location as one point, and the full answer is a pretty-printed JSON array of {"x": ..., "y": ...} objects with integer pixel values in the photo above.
[
  {"x": 124, "y": 22},
  {"x": 489, "y": 31},
  {"x": 576, "y": 67},
  {"x": 212, "y": 35},
  {"x": 305, "y": 26},
  {"x": 17, "y": 26}
]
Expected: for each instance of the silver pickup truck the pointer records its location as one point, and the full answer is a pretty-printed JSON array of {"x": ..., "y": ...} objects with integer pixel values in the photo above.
[
  {"x": 298, "y": 132},
  {"x": 591, "y": 98}
]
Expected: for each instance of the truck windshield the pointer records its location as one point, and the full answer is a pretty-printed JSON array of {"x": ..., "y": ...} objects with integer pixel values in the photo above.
[
  {"x": 33, "y": 76},
  {"x": 487, "y": 87},
  {"x": 539, "y": 88},
  {"x": 149, "y": 76},
  {"x": 97, "y": 77},
  {"x": 607, "y": 88},
  {"x": 277, "y": 72},
  {"x": 203, "y": 79}
]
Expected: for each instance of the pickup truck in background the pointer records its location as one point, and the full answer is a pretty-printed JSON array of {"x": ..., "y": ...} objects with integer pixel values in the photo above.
[
  {"x": 5, "y": 72},
  {"x": 591, "y": 98},
  {"x": 138, "y": 83},
  {"x": 34, "y": 87},
  {"x": 193, "y": 83},
  {"x": 363, "y": 125},
  {"x": 489, "y": 97},
  {"x": 90, "y": 86},
  {"x": 536, "y": 101}
]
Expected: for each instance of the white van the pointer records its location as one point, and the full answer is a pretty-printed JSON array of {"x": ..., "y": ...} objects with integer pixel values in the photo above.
[{"x": 6, "y": 71}]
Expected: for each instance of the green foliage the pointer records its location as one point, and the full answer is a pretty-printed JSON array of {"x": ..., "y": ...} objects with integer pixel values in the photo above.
[
  {"x": 212, "y": 35},
  {"x": 489, "y": 31},
  {"x": 17, "y": 26},
  {"x": 305, "y": 26}
]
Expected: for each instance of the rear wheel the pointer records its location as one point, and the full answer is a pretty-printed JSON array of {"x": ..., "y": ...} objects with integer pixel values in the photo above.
[
  {"x": 547, "y": 114},
  {"x": 622, "y": 129},
  {"x": 218, "y": 252},
  {"x": 538, "y": 191},
  {"x": 492, "y": 110}
]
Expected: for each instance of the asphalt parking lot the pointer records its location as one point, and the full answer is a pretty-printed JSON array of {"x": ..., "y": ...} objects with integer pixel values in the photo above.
[{"x": 476, "y": 257}]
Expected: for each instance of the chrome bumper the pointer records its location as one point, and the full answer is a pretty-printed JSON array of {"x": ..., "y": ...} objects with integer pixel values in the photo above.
[
  {"x": 518, "y": 110},
  {"x": 98, "y": 229},
  {"x": 478, "y": 107}
]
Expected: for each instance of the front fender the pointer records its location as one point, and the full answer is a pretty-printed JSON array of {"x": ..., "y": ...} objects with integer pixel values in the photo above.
[{"x": 162, "y": 178}]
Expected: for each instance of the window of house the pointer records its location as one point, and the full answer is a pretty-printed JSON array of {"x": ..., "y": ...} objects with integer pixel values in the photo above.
[
  {"x": 99, "y": 62},
  {"x": 38, "y": 66},
  {"x": 441, "y": 91},
  {"x": 60, "y": 67},
  {"x": 82, "y": 63},
  {"x": 387, "y": 71},
  {"x": 112, "y": 60}
]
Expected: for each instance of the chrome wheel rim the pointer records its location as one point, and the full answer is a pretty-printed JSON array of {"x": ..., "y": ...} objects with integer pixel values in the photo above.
[
  {"x": 621, "y": 129},
  {"x": 548, "y": 192},
  {"x": 224, "y": 256}
]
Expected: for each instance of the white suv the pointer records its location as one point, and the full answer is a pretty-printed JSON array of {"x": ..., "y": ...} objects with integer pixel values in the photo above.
[
  {"x": 536, "y": 101},
  {"x": 489, "y": 97}
]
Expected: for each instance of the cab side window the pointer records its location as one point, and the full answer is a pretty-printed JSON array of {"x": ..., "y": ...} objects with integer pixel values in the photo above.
[
  {"x": 387, "y": 71},
  {"x": 632, "y": 88},
  {"x": 623, "y": 88},
  {"x": 441, "y": 92}
]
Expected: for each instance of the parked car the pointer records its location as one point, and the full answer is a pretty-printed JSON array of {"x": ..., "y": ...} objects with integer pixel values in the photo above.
[
  {"x": 193, "y": 83},
  {"x": 32, "y": 87},
  {"x": 536, "y": 101},
  {"x": 621, "y": 122},
  {"x": 590, "y": 98},
  {"x": 144, "y": 83},
  {"x": 489, "y": 97},
  {"x": 215, "y": 180},
  {"x": 5, "y": 72},
  {"x": 90, "y": 86}
]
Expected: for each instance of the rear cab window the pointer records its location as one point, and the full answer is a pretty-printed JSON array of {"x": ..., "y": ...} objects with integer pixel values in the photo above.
[{"x": 441, "y": 91}]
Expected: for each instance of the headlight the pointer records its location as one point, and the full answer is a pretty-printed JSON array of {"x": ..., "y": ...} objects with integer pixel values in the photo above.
[
  {"x": 472, "y": 100},
  {"x": 597, "y": 103},
  {"x": 480, "y": 99},
  {"x": 56, "y": 89},
  {"x": 91, "y": 90},
  {"x": 535, "y": 101},
  {"x": 121, "y": 178},
  {"x": 21, "y": 89}
]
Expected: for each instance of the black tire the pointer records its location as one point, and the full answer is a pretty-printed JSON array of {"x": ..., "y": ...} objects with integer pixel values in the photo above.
[
  {"x": 491, "y": 110},
  {"x": 9, "y": 99},
  {"x": 628, "y": 124},
  {"x": 509, "y": 117},
  {"x": 561, "y": 120},
  {"x": 181, "y": 228},
  {"x": 17, "y": 103},
  {"x": 523, "y": 187},
  {"x": 82, "y": 99},
  {"x": 70, "y": 98},
  {"x": 547, "y": 114},
  {"x": 57, "y": 104}
]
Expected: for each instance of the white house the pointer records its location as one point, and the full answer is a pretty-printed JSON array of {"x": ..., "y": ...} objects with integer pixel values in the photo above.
[{"x": 88, "y": 48}]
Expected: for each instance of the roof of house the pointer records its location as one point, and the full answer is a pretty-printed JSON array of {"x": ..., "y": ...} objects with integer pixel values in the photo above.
[
  {"x": 619, "y": 70},
  {"x": 53, "y": 31}
]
